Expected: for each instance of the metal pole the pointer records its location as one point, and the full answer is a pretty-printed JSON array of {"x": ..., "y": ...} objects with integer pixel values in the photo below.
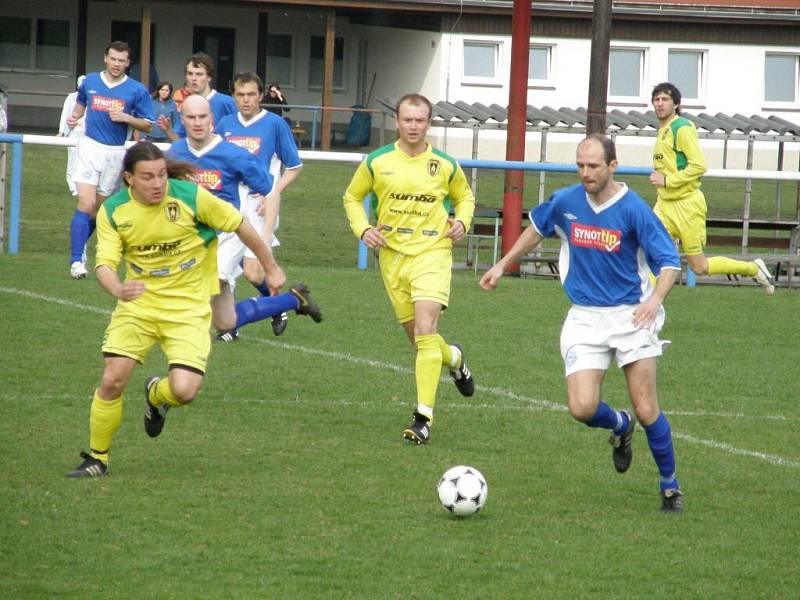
[
  {"x": 517, "y": 123},
  {"x": 748, "y": 188},
  {"x": 144, "y": 52},
  {"x": 383, "y": 128},
  {"x": 778, "y": 183},
  {"x": 327, "y": 78},
  {"x": 3, "y": 156},
  {"x": 314, "y": 129},
  {"x": 725, "y": 153},
  {"x": 598, "y": 69},
  {"x": 363, "y": 251},
  {"x": 542, "y": 158},
  {"x": 474, "y": 171},
  {"x": 16, "y": 197}
]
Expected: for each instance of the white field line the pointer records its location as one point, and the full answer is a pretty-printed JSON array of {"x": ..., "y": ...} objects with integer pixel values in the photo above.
[{"x": 495, "y": 391}]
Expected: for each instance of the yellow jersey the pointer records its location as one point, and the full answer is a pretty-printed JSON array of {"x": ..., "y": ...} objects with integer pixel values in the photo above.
[
  {"x": 413, "y": 196},
  {"x": 678, "y": 157},
  {"x": 171, "y": 246}
]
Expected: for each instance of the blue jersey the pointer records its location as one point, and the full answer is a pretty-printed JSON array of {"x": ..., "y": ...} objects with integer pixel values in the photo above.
[
  {"x": 221, "y": 167},
  {"x": 607, "y": 251},
  {"x": 99, "y": 98},
  {"x": 221, "y": 105},
  {"x": 266, "y": 135}
]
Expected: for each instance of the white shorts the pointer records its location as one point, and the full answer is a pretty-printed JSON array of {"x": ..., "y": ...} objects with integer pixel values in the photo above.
[
  {"x": 591, "y": 337},
  {"x": 99, "y": 165},
  {"x": 231, "y": 250},
  {"x": 248, "y": 207}
]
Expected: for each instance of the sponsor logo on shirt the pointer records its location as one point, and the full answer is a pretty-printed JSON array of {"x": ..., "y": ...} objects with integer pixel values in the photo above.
[
  {"x": 405, "y": 230},
  {"x": 412, "y": 197},
  {"x": 162, "y": 247},
  {"x": 208, "y": 178},
  {"x": 250, "y": 143},
  {"x": 600, "y": 238},
  {"x": 430, "y": 232},
  {"x": 106, "y": 104}
]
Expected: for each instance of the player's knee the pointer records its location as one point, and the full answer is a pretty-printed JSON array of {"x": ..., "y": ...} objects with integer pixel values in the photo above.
[
  {"x": 112, "y": 384},
  {"x": 185, "y": 392},
  {"x": 581, "y": 409},
  {"x": 647, "y": 412}
]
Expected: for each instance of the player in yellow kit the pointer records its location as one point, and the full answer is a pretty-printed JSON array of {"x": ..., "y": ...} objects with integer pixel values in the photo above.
[
  {"x": 415, "y": 186},
  {"x": 165, "y": 229},
  {"x": 678, "y": 164}
]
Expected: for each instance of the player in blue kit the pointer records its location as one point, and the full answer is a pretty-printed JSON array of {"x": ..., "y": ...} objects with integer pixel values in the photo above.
[
  {"x": 221, "y": 167},
  {"x": 112, "y": 103},
  {"x": 199, "y": 73},
  {"x": 268, "y": 137},
  {"x": 610, "y": 243}
]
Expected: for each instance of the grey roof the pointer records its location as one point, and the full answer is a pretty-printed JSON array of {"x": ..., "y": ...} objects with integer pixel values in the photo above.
[{"x": 633, "y": 122}]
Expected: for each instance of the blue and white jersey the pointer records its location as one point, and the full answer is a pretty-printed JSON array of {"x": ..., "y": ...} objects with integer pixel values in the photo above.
[
  {"x": 221, "y": 105},
  {"x": 100, "y": 98},
  {"x": 221, "y": 167},
  {"x": 607, "y": 251},
  {"x": 266, "y": 135}
]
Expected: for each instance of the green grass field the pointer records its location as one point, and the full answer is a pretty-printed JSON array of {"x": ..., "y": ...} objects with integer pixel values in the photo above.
[{"x": 288, "y": 478}]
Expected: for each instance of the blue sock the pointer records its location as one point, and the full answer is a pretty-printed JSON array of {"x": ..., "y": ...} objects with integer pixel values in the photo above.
[
  {"x": 80, "y": 229},
  {"x": 659, "y": 438},
  {"x": 258, "y": 308},
  {"x": 608, "y": 418},
  {"x": 262, "y": 288}
]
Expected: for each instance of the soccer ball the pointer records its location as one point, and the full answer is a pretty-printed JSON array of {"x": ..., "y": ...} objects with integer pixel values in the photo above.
[{"x": 462, "y": 490}]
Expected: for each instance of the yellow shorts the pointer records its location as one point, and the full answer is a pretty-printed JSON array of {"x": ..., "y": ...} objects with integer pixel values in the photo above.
[
  {"x": 184, "y": 340},
  {"x": 411, "y": 278},
  {"x": 685, "y": 220}
]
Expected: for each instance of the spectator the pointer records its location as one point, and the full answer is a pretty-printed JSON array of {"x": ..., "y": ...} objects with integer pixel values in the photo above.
[{"x": 163, "y": 105}]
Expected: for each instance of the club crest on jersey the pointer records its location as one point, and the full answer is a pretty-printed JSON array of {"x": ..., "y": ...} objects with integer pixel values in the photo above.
[
  {"x": 600, "y": 238},
  {"x": 250, "y": 143},
  {"x": 173, "y": 211},
  {"x": 208, "y": 178},
  {"x": 105, "y": 104},
  {"x": 433, "y": 167}
]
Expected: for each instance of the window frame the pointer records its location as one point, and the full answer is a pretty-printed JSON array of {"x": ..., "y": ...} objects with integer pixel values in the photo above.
[
  {"x": 702, "y": 74},
  {"x": 334, "y": 87},
  {"x": 34, "y": 46},
  {"x": 550, "y": 82},
  {"x": 474, "y": 80},
  {"x": 290, "y": 84},
  {"x": 641, "y": 99},
  {"x": 782, "y": 104}
]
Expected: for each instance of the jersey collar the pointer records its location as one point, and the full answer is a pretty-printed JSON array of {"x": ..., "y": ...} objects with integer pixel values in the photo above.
[
  {"x": 122, "y": 80},
  {"x": 598, "y": 208},
  {"x": 252, "y": 121},
  {"x": 216, "y": 139}
]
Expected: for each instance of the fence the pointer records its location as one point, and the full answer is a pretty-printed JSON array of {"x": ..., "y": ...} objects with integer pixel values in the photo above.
[{"x": 17, "y": 142}]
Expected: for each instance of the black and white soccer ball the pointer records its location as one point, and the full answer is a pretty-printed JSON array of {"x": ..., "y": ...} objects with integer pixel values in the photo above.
[{"x": 463, "y": 490}]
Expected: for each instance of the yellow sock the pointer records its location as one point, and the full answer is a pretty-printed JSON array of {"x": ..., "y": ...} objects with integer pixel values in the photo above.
[
  {"x": 447, "y": 353},
  {"x": 161, "y": 393},
  {"x": 104, "y": 420},
  {"x": 428, "y": 369},
  {"x": 721, "y": 265}
]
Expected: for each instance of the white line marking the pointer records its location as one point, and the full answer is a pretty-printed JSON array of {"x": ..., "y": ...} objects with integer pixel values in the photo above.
[{"x": 495, "y": 391}]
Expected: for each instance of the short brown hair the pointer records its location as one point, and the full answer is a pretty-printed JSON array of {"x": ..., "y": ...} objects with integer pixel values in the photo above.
[
  {"x": 201, "y": 59},
  {"x": 119, "y": 46},
  {"x": 247, "y": 77},
  {"x": 415, "y": 99}
]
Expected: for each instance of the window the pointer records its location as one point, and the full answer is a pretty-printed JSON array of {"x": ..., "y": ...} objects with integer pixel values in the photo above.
[
  {"x": 685, "y": 70},
  {"x": 780, "y": 78},
  {"x": 317, "y": 62},
  {"x": 481, "y": 62},
  {"x": 279, "y": 58},
  {"x": 625, "y": 72},
  {"x": 540, "y": 64},
  {"x": 29, "y": 43}
]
